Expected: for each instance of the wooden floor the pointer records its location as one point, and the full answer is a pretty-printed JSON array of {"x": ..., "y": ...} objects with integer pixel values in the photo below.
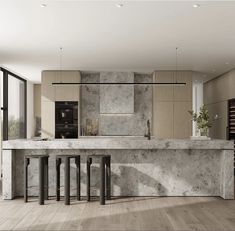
[{"x": 151, "y": 213}]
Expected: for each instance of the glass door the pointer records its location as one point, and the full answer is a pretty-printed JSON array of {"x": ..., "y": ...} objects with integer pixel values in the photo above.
[
  {"x": 13, "y": 106},
  {"x": 16, "y": 108}
]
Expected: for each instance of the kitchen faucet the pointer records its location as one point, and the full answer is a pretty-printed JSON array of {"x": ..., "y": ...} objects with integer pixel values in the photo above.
[{"x": 148, "y": 135}]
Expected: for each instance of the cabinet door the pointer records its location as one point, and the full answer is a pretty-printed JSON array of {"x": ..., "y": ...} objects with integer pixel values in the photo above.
[
  {"x": 48, "y": 90},
  {"x": 183, "y": 93},
  {"x": 163, "y": 120},
  {"x": 48, "y": 119},
  {"x": 182, "y": 120},
  {"x": 218, "y": 130},
  {"x": 67, "y": 92},
  {"x": 161, "y": 92}
]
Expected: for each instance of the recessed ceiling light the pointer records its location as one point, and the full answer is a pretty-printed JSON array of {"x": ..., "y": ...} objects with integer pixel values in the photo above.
[
  {"x": 227, "y": 63},
  {"x": 119, "y": 5},
  {"x": 43, "y": 5},
  {"x": 213, "y": 70},
  {"x": 196, "y": 5}
]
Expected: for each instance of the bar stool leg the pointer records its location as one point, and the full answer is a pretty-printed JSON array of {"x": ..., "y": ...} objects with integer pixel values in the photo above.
[
  {"x": 78, "y": 177},
  {"x": 46, "y": 188},
  {"x": 41, "y": 180},
  {"x": 89, "y": 162},
  {"x": 108, "y": 178},
  {"x": 58, "y": 163},
  {"x": 102, "y": 181},
  {"x": 26, "y": 164},
  {"x": 67, "y": 180}
]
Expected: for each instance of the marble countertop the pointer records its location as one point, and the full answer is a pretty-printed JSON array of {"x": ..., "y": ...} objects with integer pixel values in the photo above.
[{"x": 121, "y": 143}]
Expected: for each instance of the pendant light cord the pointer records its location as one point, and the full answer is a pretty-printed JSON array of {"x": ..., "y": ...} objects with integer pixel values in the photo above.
[{"x": 61, "y": 50}]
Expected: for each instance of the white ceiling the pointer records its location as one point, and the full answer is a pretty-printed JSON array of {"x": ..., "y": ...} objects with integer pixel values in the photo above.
[{"x": 96, "y": 35}]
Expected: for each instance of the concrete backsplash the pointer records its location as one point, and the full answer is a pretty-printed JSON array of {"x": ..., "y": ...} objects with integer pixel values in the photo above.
[{"x": 133, "y": 124}]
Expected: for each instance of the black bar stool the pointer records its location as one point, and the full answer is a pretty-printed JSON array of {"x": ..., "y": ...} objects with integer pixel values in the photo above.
[
  {"x": 66, "y": 159},
  {"x": 105, "y": 176},
  {"x": 43, "y": 177}
]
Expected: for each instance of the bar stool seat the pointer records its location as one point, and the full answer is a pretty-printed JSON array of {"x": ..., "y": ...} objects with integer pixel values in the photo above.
[
  {"x": 66, "y": 159},
  {"x": 43, "y": 176},
  {"x": 105, "y": 176}
]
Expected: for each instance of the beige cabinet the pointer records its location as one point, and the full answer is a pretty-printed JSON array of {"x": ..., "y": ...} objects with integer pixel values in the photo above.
[
  {"x": 183, "y": 93},
  {"x": 51, "y": 93},
  {"x": 219, "y": 89},
  {"x": 161, "y": 92},
  {"x": 48, "y": 119},
  {"x": 68, "y": 92},
  {"x": 171, "y": 104},
  {"x": 218, "y": 130},
  {"x": 163, "y": 119},
  {"x": 182, "y": 120}
]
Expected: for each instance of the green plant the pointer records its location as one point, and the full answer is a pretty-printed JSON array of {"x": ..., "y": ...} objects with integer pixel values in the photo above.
[{"x": 202, "y": 120}]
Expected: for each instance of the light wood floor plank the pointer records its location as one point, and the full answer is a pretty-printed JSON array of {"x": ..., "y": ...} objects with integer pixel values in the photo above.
[{"x": 136, "y": 213}]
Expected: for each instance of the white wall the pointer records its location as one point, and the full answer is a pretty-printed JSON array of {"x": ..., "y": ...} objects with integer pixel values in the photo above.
[
  {"x": 30, "y": 110},
  {"x": 198, "y": 79}
]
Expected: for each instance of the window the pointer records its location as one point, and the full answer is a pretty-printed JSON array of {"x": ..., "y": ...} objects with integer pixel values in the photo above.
[{"x": 13, "y": 105}]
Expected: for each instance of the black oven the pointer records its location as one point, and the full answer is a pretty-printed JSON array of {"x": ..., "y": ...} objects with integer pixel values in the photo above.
[{"x": 66, "y": 119}]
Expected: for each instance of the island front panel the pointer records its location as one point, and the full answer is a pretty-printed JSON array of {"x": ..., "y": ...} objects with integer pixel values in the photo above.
[{"x": 134, "y": 172}]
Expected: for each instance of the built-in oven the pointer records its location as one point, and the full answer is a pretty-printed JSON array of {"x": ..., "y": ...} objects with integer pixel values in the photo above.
[{"x": 66, "y": 119}]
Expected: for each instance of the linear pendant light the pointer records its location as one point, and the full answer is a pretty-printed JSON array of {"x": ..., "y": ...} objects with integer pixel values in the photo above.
[{"x": 120, "y": 83}]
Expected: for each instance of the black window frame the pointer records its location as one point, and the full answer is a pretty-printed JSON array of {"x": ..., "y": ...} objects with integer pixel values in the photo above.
[{"x": 5, "y": 102}]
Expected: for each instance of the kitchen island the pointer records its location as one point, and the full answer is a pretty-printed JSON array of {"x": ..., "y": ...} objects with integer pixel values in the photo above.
[{"x": 140, "y": 167}]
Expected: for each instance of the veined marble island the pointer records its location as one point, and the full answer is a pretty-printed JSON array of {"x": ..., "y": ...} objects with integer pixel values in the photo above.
[{"x": 140, "y": 167}]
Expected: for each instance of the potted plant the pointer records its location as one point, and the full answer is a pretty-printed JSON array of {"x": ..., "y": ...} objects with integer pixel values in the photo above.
[{"x": 203, "y": 122}]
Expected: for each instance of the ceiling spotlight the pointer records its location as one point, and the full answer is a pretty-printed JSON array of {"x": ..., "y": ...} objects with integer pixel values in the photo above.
[
  {"x": 196, "y": 5},
  {"x": 119, "y": 5},
  {"x": 43, "y": 5},
  {"x": 227, "y": 63}
]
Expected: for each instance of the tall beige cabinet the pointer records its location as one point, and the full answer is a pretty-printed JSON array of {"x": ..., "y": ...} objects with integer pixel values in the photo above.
[
  {"x": 217, "y": 92},
  {"x": 171, "y": 104},
  {"x": 51, "y": 93}
]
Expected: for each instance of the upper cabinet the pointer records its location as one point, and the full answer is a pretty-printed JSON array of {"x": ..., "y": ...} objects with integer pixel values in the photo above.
[
  {"x": 60, "y": 92},
  {"x": 173, "y": 92},
  {"x": 161, "y": 92},
  {"x": 219, "y": 89},
  {"x": 183, "y": 93},
  {"x": 68, "y": 92}
]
